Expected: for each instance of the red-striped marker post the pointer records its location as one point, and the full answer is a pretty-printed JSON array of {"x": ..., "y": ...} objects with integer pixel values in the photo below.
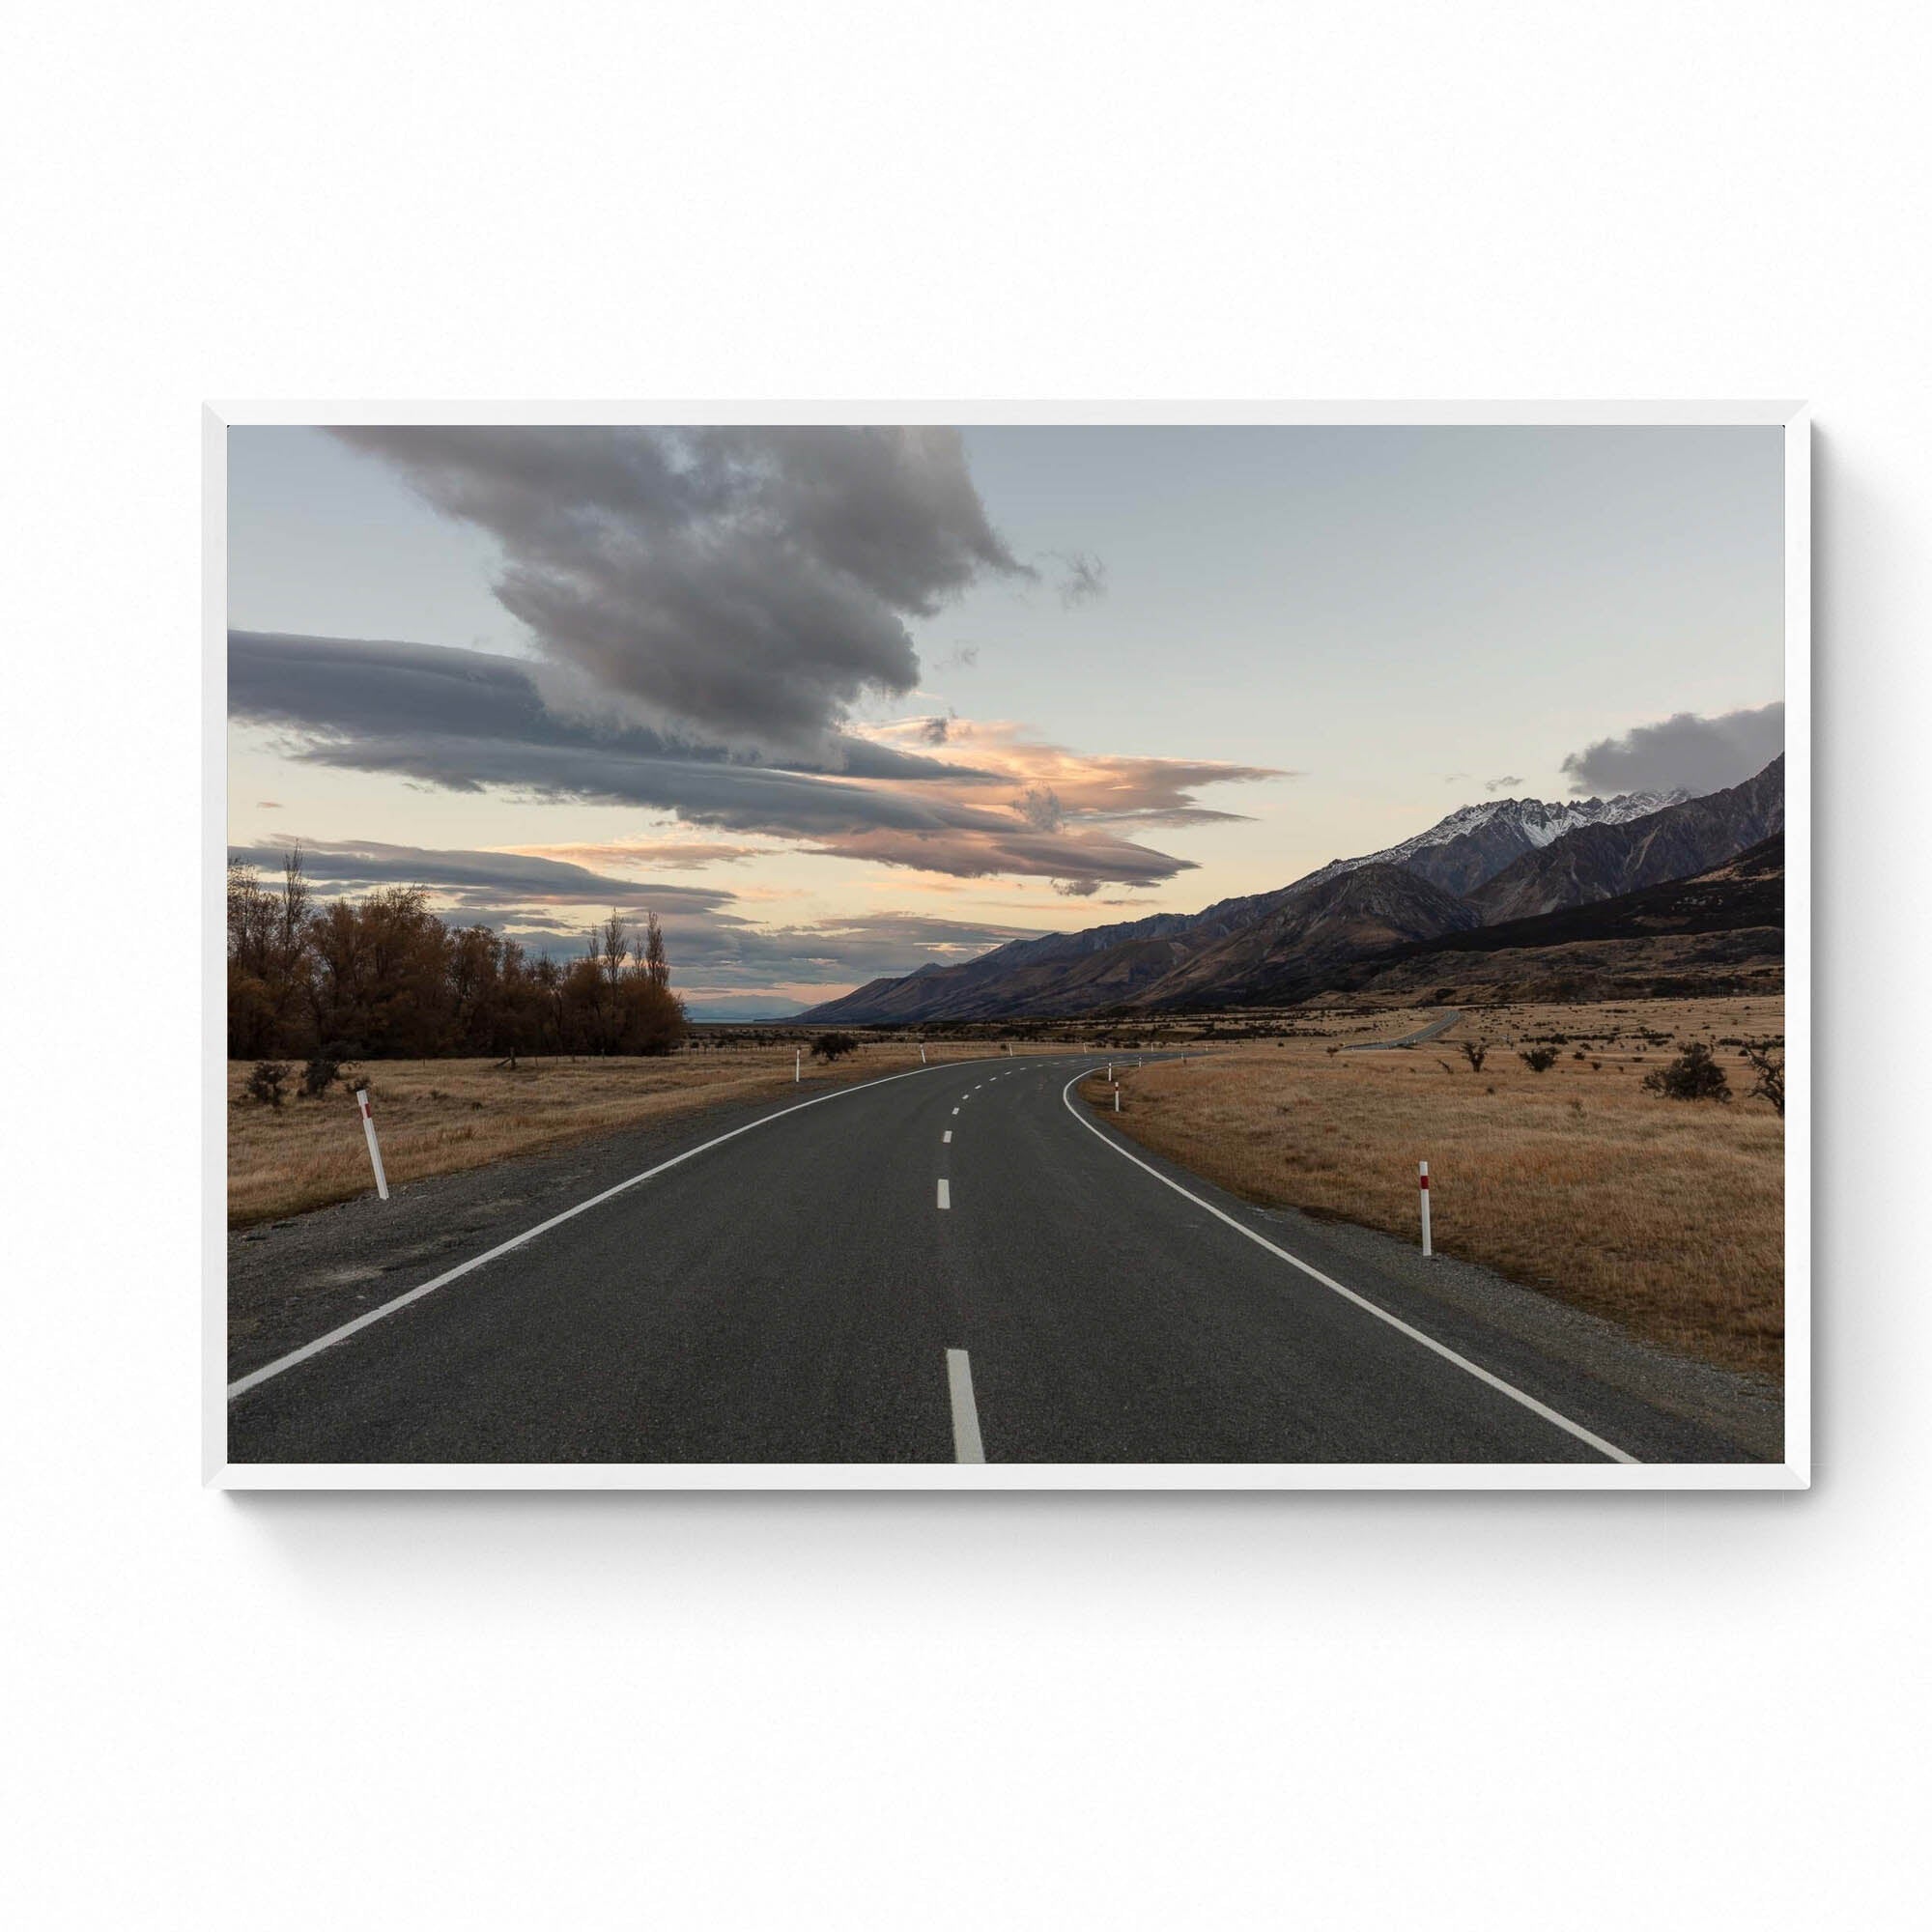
[
  {"x": 369, "y": 1133},
  {"x": 1423, "y": 1174}
]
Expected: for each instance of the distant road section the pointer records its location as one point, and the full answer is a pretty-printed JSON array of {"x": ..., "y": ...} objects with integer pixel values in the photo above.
[
  {"x": 1433, "y": 1031},
  {"x": 892, "y": 1275}
]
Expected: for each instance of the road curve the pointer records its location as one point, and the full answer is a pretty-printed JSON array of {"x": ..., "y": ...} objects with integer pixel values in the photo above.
[
  {"x": 1434, "y": 1030},
  {"x": 951, "y": 1265}
]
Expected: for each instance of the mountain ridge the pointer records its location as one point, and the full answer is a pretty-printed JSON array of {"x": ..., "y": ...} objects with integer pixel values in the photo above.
[{"x": 1519, "y": 858}]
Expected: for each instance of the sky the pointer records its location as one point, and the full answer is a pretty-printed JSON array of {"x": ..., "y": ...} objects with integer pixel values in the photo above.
[{"x": 840, "y": 703}]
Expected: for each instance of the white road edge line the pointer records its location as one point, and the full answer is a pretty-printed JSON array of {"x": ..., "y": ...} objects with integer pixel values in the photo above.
[
  {"x": 257, "y": 1376},
  {"x": 1429, "y": 1341},
  {"x": 966, "y": 1445},
  {"x": 944, "y": 1195}
]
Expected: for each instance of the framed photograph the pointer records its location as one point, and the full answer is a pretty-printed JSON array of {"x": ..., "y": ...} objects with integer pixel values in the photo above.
[{"x": 956, "y": 945}]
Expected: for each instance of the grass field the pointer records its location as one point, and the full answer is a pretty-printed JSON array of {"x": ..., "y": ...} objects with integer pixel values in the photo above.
[
  {"x": 442, "y": 1116},
  {"x": 1665, "y": 1216}
]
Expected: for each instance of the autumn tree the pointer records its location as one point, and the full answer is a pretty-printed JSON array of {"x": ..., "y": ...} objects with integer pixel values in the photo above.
[
  {"x": 384, "y": 978},
  {"x": 657, "y": 968}
]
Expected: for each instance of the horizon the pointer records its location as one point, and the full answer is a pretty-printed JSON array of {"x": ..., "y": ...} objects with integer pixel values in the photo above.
[{"x": 840, "y": 704}]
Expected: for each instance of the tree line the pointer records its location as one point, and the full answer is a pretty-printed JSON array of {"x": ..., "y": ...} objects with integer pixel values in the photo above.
[{"x": 386, "y": 979}]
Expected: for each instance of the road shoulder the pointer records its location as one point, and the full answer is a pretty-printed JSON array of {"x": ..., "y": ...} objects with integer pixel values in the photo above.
[{"x": 291, "y": 1280}]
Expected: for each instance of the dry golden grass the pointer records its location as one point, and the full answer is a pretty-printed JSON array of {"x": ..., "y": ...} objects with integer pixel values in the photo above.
[
  {"x": 1663, "y": 1215},
  {"x": 443, "y": 1115}
]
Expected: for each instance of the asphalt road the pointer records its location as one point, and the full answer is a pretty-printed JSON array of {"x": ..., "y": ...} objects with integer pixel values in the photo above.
[
  {"x": 1431, "y": 1031},
  {"x": 957, "y": 1263}
]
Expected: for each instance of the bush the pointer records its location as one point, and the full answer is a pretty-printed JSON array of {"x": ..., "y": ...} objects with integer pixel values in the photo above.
[
  {"x": 1539, "y": 1059},
  {"x": 1475, "y": 1055},
  {"x": 1694, "y": 1075},
  {"x": 1768, "y": 1064},
  {"x": 319, "y": 1074},
  {"x": 830, "y": 1046},
  {"x": 265, "y": 1083}
]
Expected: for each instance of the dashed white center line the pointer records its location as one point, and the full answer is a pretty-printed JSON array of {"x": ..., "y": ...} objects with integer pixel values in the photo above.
[
  {"x": 956, "y": 1112},
  {"x": 946, "y": 1135},
  {"x": 966, "y": 1445},
  {"x": 944, "y": 1195}
]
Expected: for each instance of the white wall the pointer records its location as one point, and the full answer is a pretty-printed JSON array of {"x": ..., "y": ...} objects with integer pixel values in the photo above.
[{"x": 738, "y": 1711}]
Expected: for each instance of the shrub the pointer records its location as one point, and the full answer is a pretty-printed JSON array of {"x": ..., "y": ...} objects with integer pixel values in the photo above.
[
  {"x": 319, "y": 1074},
  {"x": 265, "y": 1083},
  {"x": 1539, "y": 1059},
  {"x": 1475, "y": 1055},
  {"x": 1694, "y": 1075},
  {"x": 830, "y": 1046}
]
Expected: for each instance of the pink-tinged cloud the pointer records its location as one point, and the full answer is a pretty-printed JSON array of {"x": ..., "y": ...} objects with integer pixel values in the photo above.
[
  {"x": 665, "y": 855},
  {"x": 998, "y": 801}
]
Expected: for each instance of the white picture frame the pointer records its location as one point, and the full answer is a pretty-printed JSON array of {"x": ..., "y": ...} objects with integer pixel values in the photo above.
[{"x": 1794, "y": 1472}]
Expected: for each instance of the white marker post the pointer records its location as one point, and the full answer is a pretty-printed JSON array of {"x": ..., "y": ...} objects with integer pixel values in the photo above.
[
  {"x": 1116, "y": 1100},
  {"x": 922, "y": 1053},
  {"x": 1110, "y": 1069},
  {"x": 797, "y": 1064},
  {"x": 369, "y": 1133},
  {"x": 1422, "y": 1171}
]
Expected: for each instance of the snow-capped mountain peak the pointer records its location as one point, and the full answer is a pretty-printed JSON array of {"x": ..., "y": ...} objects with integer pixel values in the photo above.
[{"x": 1475, "y": 841}]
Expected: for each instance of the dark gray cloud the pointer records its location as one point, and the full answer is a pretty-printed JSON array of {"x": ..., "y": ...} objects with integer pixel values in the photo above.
[
  {"x": 1076, "y": 888},
  {"x": 1700, "y": 755},
  {"x": 465, "y": 721},
  {"x": 748, "y": 585},
  {"x": 1502, "y": 784}
]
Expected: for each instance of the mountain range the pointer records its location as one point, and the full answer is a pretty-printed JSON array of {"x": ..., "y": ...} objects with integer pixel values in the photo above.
[{"x": 1488, "y": 865}]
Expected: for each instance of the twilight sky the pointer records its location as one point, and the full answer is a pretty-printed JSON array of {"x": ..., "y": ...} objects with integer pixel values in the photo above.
[{"x": 837, "y": 702}]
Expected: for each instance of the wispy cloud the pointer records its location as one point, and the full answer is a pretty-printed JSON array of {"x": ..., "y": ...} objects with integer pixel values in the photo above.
[
  {"x": 669, "y": 854},
  {"x": 483, "y": 876},
  {"x": 1081, "y": 578}
]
